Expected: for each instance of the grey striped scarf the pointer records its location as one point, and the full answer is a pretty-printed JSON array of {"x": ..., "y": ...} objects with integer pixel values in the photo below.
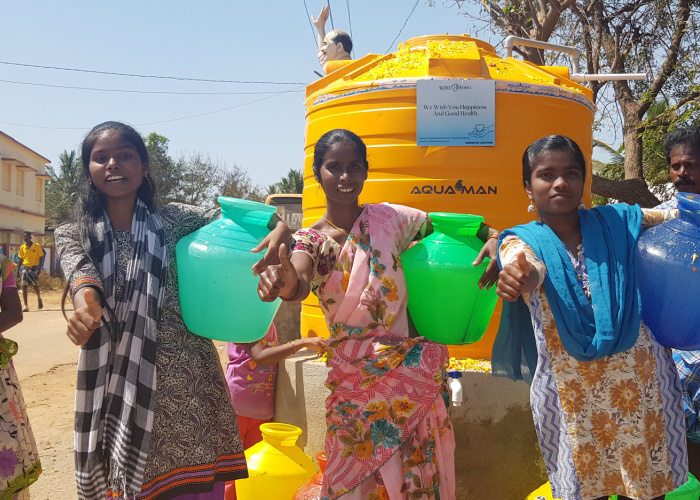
[{"x": 116, "y": 368}]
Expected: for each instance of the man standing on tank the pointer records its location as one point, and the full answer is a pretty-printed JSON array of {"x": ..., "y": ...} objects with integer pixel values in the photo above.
[{"x": 334, "y": 46}]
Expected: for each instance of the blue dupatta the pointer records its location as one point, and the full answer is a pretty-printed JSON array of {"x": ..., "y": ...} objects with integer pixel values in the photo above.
[{"x": 588, "y": 330}]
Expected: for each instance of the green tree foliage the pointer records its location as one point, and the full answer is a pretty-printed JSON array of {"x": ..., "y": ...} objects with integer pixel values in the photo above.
[
  {"x": 164, "y": 170},
  {"x": 198, "y": 180},
  {"x": 292, "y": 183},
  {"x": 192, "y": 178},
  {"x": 60, "y": 192},
  {"x": 656, "y": 37},
  {"x": 236, "y": 183},
  {"x": 660, "y": 120},
  {"x": 203, "y": 180}
]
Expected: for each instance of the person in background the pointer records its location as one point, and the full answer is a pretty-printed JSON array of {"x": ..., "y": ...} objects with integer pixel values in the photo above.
[
  {"x": 153, "y": 413},
  {"x": 605, "y": 395},
  {"x": 389, "y": 434},
  {"x": 19, "y": 460},
  {"x": 336, "y": 45},
  {"x": 251, "y": 375},
  {"x": 31, "y": 257},
  {"x": 682, "y": 150}
]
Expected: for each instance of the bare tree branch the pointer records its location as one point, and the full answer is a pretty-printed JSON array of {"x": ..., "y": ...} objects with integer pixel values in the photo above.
[{"x": 628, "y": 191}]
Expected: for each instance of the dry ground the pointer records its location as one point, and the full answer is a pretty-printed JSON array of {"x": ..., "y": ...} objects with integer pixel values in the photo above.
[{"x": 46, "y": 366}]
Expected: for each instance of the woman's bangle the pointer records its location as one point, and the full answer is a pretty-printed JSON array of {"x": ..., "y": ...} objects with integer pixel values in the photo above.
[
  {"x": 294, "y": 346},
  {"x": 493, "y": 236},
  {"x": 296, "y": 296}
]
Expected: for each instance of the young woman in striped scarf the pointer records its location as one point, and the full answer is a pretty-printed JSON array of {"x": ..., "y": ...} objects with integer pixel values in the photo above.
[{"x": 153, "y": 415}]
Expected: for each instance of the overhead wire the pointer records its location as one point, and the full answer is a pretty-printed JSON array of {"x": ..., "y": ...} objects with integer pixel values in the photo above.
[
  {"x": 170, "y": 120},
  {"x": 135, "y": 91},
  {"x": 402, "y": 27},
  {"x": 133, "y": 75},
  {"x": 330, "y": 12},
  {"x": 308, "y": 17},
  {"x": 347, "y": 4},
  {"x": 224, "y": 109}
]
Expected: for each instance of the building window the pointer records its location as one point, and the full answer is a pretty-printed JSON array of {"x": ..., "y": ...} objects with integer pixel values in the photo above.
[
  {"x": 39, "y": 190},
  {"x": 6, "y": 177},
  {"x": 20, "y": 183}
]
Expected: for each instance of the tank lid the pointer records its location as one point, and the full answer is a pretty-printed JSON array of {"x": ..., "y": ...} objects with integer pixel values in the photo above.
[
  {"x": 422, "y": 41},
  {"x": 441, "y": 57}
]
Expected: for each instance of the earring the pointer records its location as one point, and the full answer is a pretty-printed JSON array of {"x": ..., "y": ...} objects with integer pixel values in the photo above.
[
  {"x": 531, "y": 207},
  {"x": 581, "y": 206}
]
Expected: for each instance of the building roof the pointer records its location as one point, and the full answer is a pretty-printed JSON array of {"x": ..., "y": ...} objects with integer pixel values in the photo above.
[{"x": 3, "y": 134}]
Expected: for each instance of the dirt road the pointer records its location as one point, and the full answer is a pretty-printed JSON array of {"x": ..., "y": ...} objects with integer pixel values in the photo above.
[{"x": 46, "y": 366}]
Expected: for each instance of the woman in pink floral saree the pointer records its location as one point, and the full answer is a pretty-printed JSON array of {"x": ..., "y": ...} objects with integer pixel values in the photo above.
[{"x": 389, "y": 435}]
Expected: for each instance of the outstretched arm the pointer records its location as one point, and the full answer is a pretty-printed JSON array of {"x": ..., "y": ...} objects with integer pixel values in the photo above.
[
  {"x": 290, "y": 279},
  {"x": 10, "y": 306},
  {"x": 87, "y": 313},
  {"x": 265, "y": 356},
  {"x": 320, "y": 24},
  {"x": 517, "y": 278},
  {"x": 652, "y": 217},
  {"x": 279, "y": 234},
  {"x": 84, "y": 282},
  {"x": 490, "y": 249}
]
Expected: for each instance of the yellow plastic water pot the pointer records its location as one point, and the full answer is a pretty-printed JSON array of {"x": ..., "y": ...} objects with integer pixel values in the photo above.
[
  {"x": 277, "y": 467},
  {"x": 375, "y": 97}
]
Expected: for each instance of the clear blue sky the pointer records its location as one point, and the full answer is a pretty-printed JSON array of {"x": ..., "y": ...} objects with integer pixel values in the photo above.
[{"x": 216, "y": 39}]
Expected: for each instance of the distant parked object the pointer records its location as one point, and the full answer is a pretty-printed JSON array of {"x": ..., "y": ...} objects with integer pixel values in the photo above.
[{"x": 288, "y": 208}]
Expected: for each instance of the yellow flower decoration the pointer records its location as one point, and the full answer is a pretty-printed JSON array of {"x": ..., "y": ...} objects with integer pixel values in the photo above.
[
  {"x": 344, "y": 281},
  {"x": 403, "y": 406},
  {"x": 364, "y": 449},
  {"x": 417, "y": 456},
  {"x": 379, "y": 409},
  {"x": 389, "y": 283}
]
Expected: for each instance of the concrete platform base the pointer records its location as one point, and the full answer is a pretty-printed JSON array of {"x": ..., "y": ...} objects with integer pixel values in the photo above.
[{"x": 497, "y": 455}]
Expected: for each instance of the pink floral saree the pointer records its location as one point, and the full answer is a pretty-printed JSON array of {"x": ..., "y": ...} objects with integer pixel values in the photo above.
[{"x": 389, "y": 435}]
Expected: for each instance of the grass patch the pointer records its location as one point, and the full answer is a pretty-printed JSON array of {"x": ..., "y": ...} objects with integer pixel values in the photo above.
[{"x": 48, "y": 282}]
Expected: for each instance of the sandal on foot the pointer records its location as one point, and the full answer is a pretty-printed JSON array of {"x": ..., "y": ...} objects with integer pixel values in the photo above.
[{"x": 25, "y": 310}]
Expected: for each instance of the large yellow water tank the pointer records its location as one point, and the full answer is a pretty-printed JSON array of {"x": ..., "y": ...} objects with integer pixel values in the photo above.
[{"x": 375, "y": 97}]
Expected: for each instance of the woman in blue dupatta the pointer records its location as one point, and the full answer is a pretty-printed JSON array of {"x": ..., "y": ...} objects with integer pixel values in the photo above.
[{"x": 605, "y": 396}]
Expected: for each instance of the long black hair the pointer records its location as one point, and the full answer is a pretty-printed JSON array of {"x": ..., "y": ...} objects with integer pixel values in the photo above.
[
  {"x": 551, "y": 143},
  {"x": 90, "y": 203},
  {"x": 686, "y": 136}
]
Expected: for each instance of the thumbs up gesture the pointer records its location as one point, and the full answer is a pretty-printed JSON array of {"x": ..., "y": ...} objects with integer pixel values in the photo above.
[
  {"x": 280, "y": 280},
  {"x": 86, "y": 316},
  {"x": 515, "y": 279}
]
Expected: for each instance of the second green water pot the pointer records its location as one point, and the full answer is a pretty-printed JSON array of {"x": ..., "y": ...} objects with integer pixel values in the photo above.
[{"x": 444, "y": 299}]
